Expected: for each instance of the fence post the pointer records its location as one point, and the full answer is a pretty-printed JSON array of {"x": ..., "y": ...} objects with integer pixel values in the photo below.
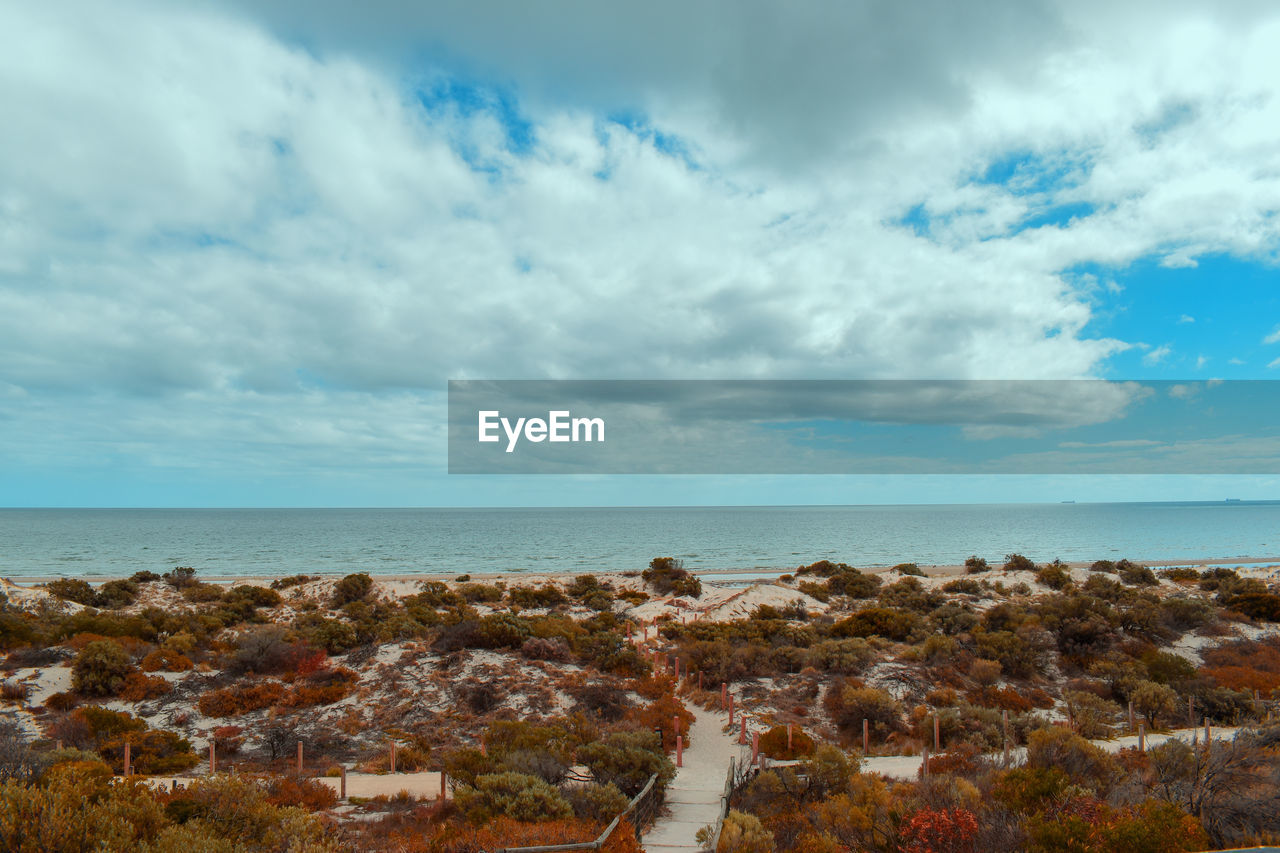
[
  {"x": 742, "y": 732},
  {"x": 730, "y": 709},
  {"x": 724, "y": 695},
  {"x": 1191, "y": 712},
  {"x": 1207, "y": 731},
  {"x": 788, "y": 738},
  {"x": 1004, "y": 719},
  {"x": 924, "y": 763},
  {"x": 937, "y": 732},
  {"x": 342, "y": 783},
  {"x": 127, "y": 758},
  {"x": 675, "y": 724},
  {"x": 866, "y": 737},
  {"x": 1142, "y": 738},
  {"x": 299, "y": 758},
  {"x": 755, "y": 747},
  {"x": 679, "y": 750}
]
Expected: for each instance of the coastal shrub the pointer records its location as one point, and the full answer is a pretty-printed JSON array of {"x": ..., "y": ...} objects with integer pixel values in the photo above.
[
  {"x": 166, "y": 660},
  {"x": 848, "y": 705},
  {"x": 144, "y": 576},
  {"x": 1018, "y": 563},
  {"x": 353, "y": 587},
  {"x": 323, "y": 687},
  {"x": 1062, "y": 749},
  {"x": 743, "y": 833},
  {"x": 332, "y": 635},
  {"x": 773, "y": 743},
  {"x": 1053, "y": 576},
  {"x": 181, "y": 577},
  {"x": 963, "y": 586},
  {"x": 434, "y": 594},
  {"x": 1181, "y": 575},
  {"x": 100, "y": 669},
  {"x": 1167, "y": 667},
  {"x": 910, "y": 594},
  {"x": 71, "y": 589},
  {"x": 597, "y": 803},
  {"x": 292, "y": 580},
  {"x": 627, "y": 759},
  {"x": 854, "y": 584},
  {"x": 601, "y": 699},
  {"x": 152, "y": 752},
  {"x": 254, "y": 596},
  {"x": 61, "y": 701},
  {"x": 199, "y": 592},
  {"x": 1184, "y": 613},
  {"x": 815, "y": 590},
  {"x": 545, "y": 648},
  {"x": 660, "y": 715},
  {"x": 474, "y": 593},
  {"x": 954, "y": 618},
  {"x": 138, "y": 687},
  {"x": 1263, "y": 606},
  {"x": 1103, "y": 566},
  {"x": 13, "y": 692},
  {"x": 877, "y": 621},
  {"x": 116, "y": 594},
  {"x": 908, "y": 569},
  {"x": 300, "y": 792},
  {"x": 233, "y": 701},
  {"x": 262, "y": 650},
  {"x": 976, "y": 565},
  {"x": 668, "y": 576},
  {"x": 545, "y": 596},
  {"x": 1136, "y": 575},
  {"x": 514, "y": 795}
]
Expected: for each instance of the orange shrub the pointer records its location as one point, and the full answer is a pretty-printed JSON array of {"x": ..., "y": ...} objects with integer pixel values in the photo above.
[
  {"x": 1243, "y": 678},
  {"x": 231, "y": 701},
  {"x": 139, "y": 687},
  {"x": 1005, "y": 698},
  {"x": 660, "y": 714},
  {"x": 295, "y": 791},
  {"x": 773, "y": 743},
  {"x": 166, "y": 660}
]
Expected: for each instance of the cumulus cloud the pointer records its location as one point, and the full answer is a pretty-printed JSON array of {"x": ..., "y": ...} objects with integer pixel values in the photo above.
[
  {"x": 1157, "y": 355},
  {"x": 252, "y": 204}
]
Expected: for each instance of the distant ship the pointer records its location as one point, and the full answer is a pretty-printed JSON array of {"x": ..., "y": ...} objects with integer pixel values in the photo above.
[{"x": 1068, "y": 502}]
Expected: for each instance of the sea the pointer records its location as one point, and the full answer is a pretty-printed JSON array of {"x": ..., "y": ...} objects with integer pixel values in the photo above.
[{"x": 103, "y": 543}]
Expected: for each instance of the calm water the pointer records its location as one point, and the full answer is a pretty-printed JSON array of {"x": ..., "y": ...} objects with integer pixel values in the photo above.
[{"x": 110, "y": 542}]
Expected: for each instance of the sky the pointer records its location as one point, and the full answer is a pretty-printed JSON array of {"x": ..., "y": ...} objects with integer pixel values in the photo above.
[{"x": 245, "y": 245}]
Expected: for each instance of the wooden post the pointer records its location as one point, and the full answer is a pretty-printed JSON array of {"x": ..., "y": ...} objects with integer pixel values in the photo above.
[
  {"x": 393, "y": 756},
  {"x": 937, "y": 733},
  {"x": 742, "y": 732},
  {"x": 1004, "y": 719},
  {"x": 675, "y": 724},
  {"x": 755, "y": 747},
  {"x": 724, "y": 695},
  {"x": 444, "y": 790},
  {"x": 342, "y": 783},
  {"x": 213, "y": 758},
  {"x": 924, "y": 763},
  {"x": 700, "y": 680},
  {"x": 1208, "y": 731},
  {"x": 1142, "y": 738},
  {"x": 679, "y": 750},
  {"x": 731, "y": 709},
  {"x": 866, "y": 737},
  {"x": 788, "y": 738},
  {"x": 127, "y": 757},
  {"x": 676, "y": 667},
  {"x": 299, "y": 758}
]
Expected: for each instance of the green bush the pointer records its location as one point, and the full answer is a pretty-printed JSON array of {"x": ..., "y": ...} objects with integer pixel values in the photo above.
[
  {"x": 514, "y": 795},
  {"x": 976, "y": 565},
  {"x": 909, "y": 569},
  {"x": 100, "y": 669},
  {"x": 351, "y": 588},
  {"x": 669, "y": 577},
  {"x": 116, "y": 594},
  {"x": 1018, "y": 563},
  {"x": 71, "y": 589}
]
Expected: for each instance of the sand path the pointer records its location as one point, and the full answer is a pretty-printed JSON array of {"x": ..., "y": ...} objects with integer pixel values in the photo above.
[{"x": 693, "y": 798}]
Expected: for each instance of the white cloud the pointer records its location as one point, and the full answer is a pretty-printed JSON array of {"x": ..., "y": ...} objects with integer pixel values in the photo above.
[
  {"x": 192, "y": 204},
  {"x": 1273, "y": 364},
  {"x": 1235, "y": 361},
  {"x": 1201, "y": 361},
  {"x": 1272, "y": 338},
  {"x": 1186, "y": 318}
]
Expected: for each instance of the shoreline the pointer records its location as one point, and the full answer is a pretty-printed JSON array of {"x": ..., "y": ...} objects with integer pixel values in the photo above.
[{"x": 724, "y": 576}]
